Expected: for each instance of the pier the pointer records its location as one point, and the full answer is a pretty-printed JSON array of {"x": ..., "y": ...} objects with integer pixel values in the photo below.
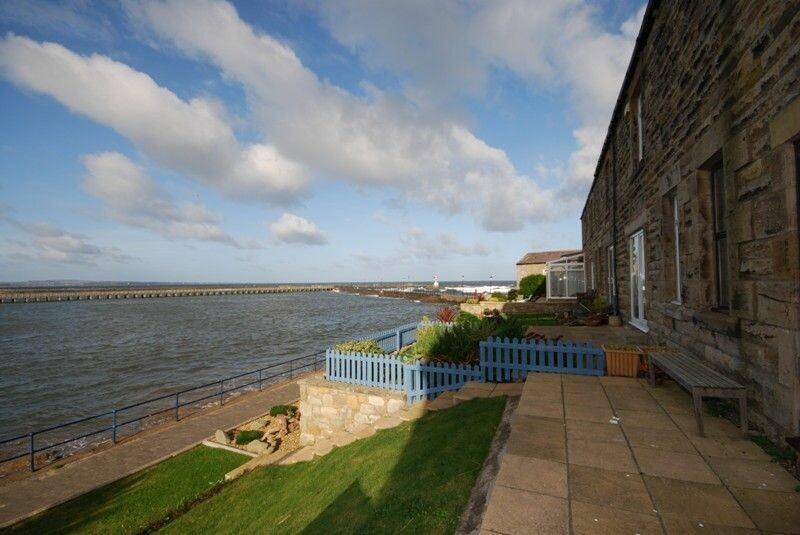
[{"x": 37, "y": 295}]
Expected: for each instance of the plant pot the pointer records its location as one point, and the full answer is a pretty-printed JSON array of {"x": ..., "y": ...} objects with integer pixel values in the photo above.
[
  {"x": 594, "y": 320},
  {"x": 622, "y": 361},
  {"x": 615, "y": 321}
]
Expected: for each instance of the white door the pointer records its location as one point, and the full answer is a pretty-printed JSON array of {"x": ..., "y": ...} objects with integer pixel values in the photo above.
[{"x": 637, "y": 280}]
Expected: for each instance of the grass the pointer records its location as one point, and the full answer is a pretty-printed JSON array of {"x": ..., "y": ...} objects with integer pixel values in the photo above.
[
  {"x": 536, "y": 319},
  {"x": 414, "y": 478},
  {"x": 132, "y": 504},
  {"x": 246, "y": 437}
]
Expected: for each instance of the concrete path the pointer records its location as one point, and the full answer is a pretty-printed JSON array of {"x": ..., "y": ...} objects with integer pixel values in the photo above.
[
  {"x": 567, "y": 469},
  {"x": 47, "y": 488}
]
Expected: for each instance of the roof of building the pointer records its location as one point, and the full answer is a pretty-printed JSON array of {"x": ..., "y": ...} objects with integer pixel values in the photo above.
[
  {"x": 641, "y": 39},
  {"x": 542, "y": 257}
]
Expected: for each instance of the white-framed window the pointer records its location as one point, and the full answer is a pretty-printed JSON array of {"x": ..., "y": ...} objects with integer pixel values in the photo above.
[
  {"x": 676, "y": 232},
  {"x": 565, "y": 277},
  {"x": 639, "y": 126},
  {"x": 611, "y": 273},
  {"x": 638, "y": 280}
]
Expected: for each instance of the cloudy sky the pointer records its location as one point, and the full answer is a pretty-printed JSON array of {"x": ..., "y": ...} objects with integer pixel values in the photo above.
[{"x": 204, "y": 140}]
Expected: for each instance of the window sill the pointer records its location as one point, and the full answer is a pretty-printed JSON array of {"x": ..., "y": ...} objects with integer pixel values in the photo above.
[
  {"x": 717, "y": 321},
  {"x": 640, "y": 324}
]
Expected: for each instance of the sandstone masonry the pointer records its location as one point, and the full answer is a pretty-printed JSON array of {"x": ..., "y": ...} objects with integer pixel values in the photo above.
[
  {"x": 702, "y": 157},
  {"x": 329, "y": 408}
]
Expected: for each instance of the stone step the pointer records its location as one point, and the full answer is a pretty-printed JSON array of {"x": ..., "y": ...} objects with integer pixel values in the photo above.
[
  {"x": 412, "y": 413},
  {"x": 387, "y": 422},
  {"x": 303, "y": 454}
]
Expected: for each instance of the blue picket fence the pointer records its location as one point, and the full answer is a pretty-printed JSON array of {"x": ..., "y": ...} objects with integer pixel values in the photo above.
[
  {"x": 511, "y": 360},
  {"x": 426, "y": 380},
  {"x": 500, "y": 360},
  {"x": 379, "y": 371}
]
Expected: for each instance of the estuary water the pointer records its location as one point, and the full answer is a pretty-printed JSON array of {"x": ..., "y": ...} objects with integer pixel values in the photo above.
[{"x": 60, "y": 361}]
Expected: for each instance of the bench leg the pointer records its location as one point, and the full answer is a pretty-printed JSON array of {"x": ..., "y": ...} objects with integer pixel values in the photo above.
[
  {"x": 743, "y": 413},
  {"x": 651, "y": 370},
  {"x": 698, "y": 411}
]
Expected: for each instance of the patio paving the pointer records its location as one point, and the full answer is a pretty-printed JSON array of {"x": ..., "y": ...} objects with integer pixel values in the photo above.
[{"x": 568, "y": 469}]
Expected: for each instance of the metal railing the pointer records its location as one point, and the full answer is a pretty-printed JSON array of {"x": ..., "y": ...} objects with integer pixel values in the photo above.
[{"x": 174, "y": 401}]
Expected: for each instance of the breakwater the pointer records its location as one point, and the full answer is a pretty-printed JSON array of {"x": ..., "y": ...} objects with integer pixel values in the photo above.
[
  {"x": 427, "y": 296},
  {"x": 36, "y": 295}
]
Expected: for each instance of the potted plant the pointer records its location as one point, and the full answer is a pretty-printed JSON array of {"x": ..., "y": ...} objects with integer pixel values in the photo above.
[{"x": 622, "y": 360}]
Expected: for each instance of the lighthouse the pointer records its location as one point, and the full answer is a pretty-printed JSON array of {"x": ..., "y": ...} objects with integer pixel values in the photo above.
[{"x": 436, "y": 282}]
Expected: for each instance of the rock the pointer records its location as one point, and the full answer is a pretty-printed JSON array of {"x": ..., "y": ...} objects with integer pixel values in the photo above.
[
  {"x": 258, "y": 447},
  {"x": 322, "y": 446},
  {"x": 220, "y": 436}
]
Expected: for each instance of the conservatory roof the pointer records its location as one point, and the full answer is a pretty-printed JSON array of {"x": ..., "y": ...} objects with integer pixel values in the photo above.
[{"x": 542, "y": 257}]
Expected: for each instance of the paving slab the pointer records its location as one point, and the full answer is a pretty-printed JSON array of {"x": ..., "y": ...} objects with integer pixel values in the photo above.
[
  {"x": 594, "y": 519},
  {"x": 675, "y": 524},
  {"x": 674, "y": 465},
  {"x": 508, "y": 389},
  {"x": 543, "y": 409},
  {"x": 514, "y": 511},
  {"x": 660, "y": 439},
  {"x": 728, "y": 448},
  {"x": 605, "y": 455},
  {"x": 593, "y": 398},
  {"x": 713, "y": 427},
  {"x": 596, "y": 431},
  {"x": 609, "y": 488},
  {"x": 656, "y": 420},
  {"x": 777, "y": 512},
  {"x": 540, "y": 438},
  {"x": 699, "y": 502},
  {"x": 588, "y": 413},
  {"x": 749, "y": 474},
  {"x": 535, "y": 475}
]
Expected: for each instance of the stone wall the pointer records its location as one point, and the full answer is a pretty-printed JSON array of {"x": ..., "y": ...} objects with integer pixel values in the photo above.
[
  {"x": 523, "y": 270},
  {"x": 719, "y": 85},
  {"x": 328, "y": 408}
]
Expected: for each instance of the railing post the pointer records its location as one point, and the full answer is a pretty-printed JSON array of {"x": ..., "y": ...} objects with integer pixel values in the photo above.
[
  {"x": 220, "y": 391},
  {"x": 397, "y": 341},
  {"x": 32, "y": 450},
  {"x": 177, "y": 406},
  {"x": 259, "y": 379},
  {"x": 291, "y": 368},
  {"x": 114, "y": 426}
]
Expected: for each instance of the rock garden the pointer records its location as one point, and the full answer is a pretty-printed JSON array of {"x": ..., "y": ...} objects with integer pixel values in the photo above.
[{"x": 278, "y": 431}]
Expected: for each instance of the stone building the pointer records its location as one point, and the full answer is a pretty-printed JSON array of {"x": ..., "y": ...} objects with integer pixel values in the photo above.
[
  {"x": 534, "y": 263},
  {"x": 691, "y": 223}
]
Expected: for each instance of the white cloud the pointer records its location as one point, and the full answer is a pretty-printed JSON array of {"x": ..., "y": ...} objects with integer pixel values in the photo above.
[
  {"x": 134, "y": 199},
  {"x": 44, "y": 242},
  {"x": 192, "y": 136},
  {"x": 379, "y": 139},
  {"x": 290, "y": 228},
  {"x": 451, "y": 47}
]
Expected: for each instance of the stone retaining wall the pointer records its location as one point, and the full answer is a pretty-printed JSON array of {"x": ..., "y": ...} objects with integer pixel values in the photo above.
[
  {"x": 330, "y": 408},
  {"x": 520, "y": 307}
]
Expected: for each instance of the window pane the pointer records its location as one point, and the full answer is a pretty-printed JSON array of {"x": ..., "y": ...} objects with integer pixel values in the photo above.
[
  {"x": 575, "y": 282},
  {"x": 719, "y": 200},
  {"x": 722, "y": 269}
]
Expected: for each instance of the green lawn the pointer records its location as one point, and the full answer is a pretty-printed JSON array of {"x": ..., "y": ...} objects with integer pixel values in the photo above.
[
  {"x": 132, "y": 504},
  {"x": 536, "y": 319},
  {"x": 414, "y": 478}
]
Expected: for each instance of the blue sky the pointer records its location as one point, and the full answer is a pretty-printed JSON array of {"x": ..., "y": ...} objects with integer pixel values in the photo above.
[{"x": 299, "y": 141}]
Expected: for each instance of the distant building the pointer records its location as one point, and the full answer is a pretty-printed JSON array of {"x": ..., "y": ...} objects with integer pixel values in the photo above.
[
  {"x": 534, "y": 263},
  {"x": 691, "y": 224}
]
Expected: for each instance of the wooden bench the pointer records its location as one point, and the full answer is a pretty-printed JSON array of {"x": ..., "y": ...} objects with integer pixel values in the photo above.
[{"x": 700, "y": 380}]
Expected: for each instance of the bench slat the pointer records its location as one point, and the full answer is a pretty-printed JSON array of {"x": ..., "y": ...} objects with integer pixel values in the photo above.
[{"x": 690, "y": 372}]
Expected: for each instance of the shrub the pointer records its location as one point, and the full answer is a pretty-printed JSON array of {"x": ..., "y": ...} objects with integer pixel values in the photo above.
[
  {"x": 512, "y": 294},
  {"x": 446, "y": 314},
  {"x": 472, "y": 301},
  {"x": 359, "y": 346},
  {"x": 246, "y": 437},
  {"x": 466, "y": 318},
  {"x": 533, "y": 286},
  {"x": 288, "y": 410},
  {"x": 427, "y": 339}
]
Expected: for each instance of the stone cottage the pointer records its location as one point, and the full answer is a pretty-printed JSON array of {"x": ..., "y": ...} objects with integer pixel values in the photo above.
[
  {"x": 535, "y": 262},
  {"x": 691, "y": 223}
]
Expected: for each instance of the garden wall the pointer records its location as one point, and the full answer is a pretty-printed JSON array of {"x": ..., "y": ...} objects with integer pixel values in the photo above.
[
  {"x": 520, "y": 307},
  {"x": 329, "y": 408}
]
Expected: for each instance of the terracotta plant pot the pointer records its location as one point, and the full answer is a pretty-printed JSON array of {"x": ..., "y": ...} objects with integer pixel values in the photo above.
[
  {"x": 622, "y": 361},
  {"x": 615, "y": 321}
]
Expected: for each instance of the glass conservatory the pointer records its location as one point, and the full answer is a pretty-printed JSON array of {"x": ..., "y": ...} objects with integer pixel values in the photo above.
[{"x": 565, "y": 277}]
